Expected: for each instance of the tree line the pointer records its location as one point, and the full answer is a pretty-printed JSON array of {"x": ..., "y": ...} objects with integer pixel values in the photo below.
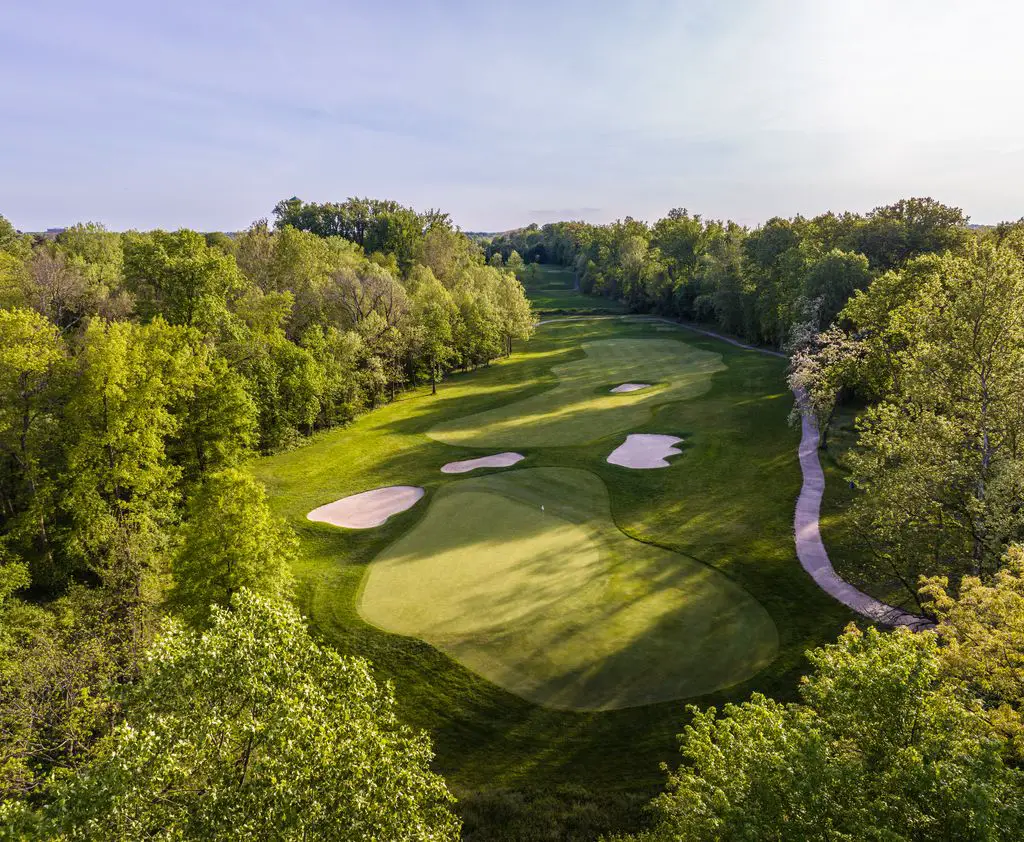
[
  {"x": 756, "y": 283},
  {"x": 155, "y": 681},
  {"x": 906, "y": 315},
  {"x": 138, "y": 372}
]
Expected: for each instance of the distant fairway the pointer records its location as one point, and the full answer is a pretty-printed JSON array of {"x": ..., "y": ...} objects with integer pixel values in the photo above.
[
  {"x": 552, "y": 290},
  {"x": 558, "y": 605},
  {"x": 580, "y": 408}
]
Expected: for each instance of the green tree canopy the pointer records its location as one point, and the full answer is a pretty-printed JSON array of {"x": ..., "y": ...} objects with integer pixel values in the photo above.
[
  {"x": 831, "y": 280},
  {"x": 514, "y": 313},
  {"x": 177, "y": 276},
  {"x": 231, "y": 541},
  {"x": 435, "y": 316},
  {"x": 938, "y": 455},
  {"x": 880, "y": 748},
  {"x": 982, "y": 631},
  {"x": 32, "y": 356},
  {"x": 120, "y": 487},
  {"x": 251, "y": 731},
  {"x": 893, "y": 234}
]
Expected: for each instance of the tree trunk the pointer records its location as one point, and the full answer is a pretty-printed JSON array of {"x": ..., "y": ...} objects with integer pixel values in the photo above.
[{"x": 823, "y": 432}]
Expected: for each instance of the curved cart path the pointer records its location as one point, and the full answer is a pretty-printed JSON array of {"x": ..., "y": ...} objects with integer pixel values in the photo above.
[{"x": 810, "y": 549}]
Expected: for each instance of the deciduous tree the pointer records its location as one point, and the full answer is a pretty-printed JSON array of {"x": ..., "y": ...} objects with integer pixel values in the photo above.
[
  {"x": 251, "y": 731},
  {"x": 939, "y": 458},
  {"x": 880, "y": 747},
  {"x": 230, "y": 540}
]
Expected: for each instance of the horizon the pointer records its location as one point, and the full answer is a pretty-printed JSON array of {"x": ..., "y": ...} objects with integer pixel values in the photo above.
[
  {"x": 205, "y": 117},
  {"x": 971, "y": 223}
]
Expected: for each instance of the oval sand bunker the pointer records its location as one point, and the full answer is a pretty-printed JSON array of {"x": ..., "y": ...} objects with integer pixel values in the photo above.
[
  {"x": 368, "y": 509},
  {"x": 644, "y": 450},
  {"x": 498, "y": 460},
  {"x": 630, "y": 387}
]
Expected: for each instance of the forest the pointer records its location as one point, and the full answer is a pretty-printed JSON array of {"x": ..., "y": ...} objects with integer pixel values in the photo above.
[
  {"x": 156, "y": 680},
  {"x": 138, "y": 373}
]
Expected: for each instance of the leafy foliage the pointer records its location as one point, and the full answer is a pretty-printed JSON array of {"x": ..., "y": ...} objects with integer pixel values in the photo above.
[
  {"x": 231, "y": 541},
  {"x": 757, "y": 283},
  {"x": 939, "y": 345},
  {"x": 252, "y": 731},
  {"x": 138, "y": 372},
  {"x": 880, "y": 747},
  {"x": 982, "y": 632}
]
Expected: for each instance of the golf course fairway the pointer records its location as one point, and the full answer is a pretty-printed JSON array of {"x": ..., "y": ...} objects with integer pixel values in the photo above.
[
  {"x": 556, "y": 604},
  {"x": 545, "y": 647},
  {"x": 581, "y": 407}
]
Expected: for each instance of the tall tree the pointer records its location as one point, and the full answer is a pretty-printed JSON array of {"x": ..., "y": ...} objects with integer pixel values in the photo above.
[
  {"x": 893, "y": 234},
  {"x": 982, "y": 632},
  {"x": 32, "y": 355},
  {"x": 513, "y": 307},
  {"x": 251, "y": 731},
  {"x": 831, "y": 281},
  {"x": 434, "y": 314},
  {"x": 514, "y": 263},
  {"x": 446, "y": 252},
  {"x": 230, "y": 541},
  {"x": 880, "y": 747},
  {"x": 939, "y": 457},
  {"x": 120, "y": 489},
  {"x": 179, "y": 277},
  {"x": 217, "y": 419}
]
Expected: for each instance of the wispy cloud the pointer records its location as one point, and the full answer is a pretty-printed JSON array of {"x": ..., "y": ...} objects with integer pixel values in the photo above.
[{"x": 205, "y": 114}]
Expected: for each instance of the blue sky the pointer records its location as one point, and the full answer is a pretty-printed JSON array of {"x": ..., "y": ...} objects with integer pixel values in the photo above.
[{"x": 204, "y": 114}]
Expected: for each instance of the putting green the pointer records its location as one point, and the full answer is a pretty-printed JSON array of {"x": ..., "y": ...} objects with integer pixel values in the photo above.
[
  {"x": 556, "y": 604},
  {"x": 580, "y": 408}
]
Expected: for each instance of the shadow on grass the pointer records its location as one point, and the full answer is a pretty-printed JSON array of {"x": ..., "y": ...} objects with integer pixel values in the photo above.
[
  {"x": 554, "y": 602},
  {"x": 727, "y": 501}
]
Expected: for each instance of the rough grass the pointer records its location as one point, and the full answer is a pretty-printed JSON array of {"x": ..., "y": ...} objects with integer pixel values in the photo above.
[
  {"x": 581, "y": 408},
  {"x": 730, "y": 507},
  {"x": 523, "y": 578}
]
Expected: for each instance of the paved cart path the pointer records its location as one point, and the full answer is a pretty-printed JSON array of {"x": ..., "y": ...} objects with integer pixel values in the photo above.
[{"x": 810, "y": 549}]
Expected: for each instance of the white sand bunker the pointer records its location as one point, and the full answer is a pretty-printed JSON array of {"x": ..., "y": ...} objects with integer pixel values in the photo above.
[
  {"x": 371, "y": 508},
  {"x": 644, "y": 450},
  {"x": 630, "y": 387},
  {"x": 498, "y": 460}
]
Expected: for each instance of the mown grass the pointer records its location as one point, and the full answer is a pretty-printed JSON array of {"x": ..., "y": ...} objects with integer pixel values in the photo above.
[
  {"x": 729, "y": 505},
  {"x": 581, "y": 408},
  {"x": 552, "y": 291},
  {"x": 522, "y": 577}
]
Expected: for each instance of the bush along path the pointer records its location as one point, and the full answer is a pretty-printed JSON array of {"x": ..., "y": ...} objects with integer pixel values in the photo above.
[{"x": 810, "y": 549}]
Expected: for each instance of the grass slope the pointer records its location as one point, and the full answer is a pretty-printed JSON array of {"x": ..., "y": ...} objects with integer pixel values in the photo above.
[
  {"x": 553, "y": 291},
  {"x": 581, "y": 407},
  {"x": 731, "y": 507},
  {"x": 559, "y": 606}
]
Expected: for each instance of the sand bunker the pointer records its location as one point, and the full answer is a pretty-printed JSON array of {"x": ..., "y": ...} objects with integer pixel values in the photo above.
[
  {"x": 498, "y": 460},
  {"x": 580, "y": 410},
  {"x": 630, "y": 387},
  {"x": 644, "y": 450},
  {"x": 371, "y": 508}
]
